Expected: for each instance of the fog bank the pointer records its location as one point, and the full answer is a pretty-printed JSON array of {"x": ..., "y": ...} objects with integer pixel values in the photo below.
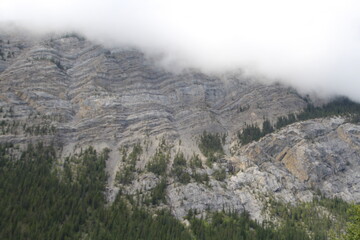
[{"x": 311, "y": 45}]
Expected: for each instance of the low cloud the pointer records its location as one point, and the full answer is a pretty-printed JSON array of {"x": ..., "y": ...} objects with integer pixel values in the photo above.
[{"x": 311, "y": 45}]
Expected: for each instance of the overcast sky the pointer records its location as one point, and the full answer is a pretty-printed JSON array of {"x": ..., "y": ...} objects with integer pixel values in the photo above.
[{"x": 312, "y": 45}]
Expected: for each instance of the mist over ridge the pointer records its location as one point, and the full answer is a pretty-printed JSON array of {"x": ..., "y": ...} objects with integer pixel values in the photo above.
[{"x": 313, "y": 46}]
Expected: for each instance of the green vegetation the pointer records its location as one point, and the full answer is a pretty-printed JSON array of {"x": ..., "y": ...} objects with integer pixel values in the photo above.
[
  {"x": 9, "y": 127},
  {"x": 283, "y": 121},
  {"x": 312, "y": 220},
  {"x": 51, "y": 59},
  {"x": 28, "y": 127},
  {"x": 250, "y": 133},
  {"x": 220, "y": 174},
  {"x": 340, "y": 106},
  {"x": 243, "y": 108},
  {"x": 211, "y": 146},
  {"x": 181, "y": 174},
  {"x": 195, "y": 162},
  {"x": 41, "y": 130},
  {"x": 40, "y": 201},
  {"x": 221, "y": 225},
  {"x": 35, "y": 204},
  {"x": 121, "y": 222},
  {"x": 14, "y": 127},
  {"x": 158, "y": 163},
  {"x": 202, "y": 178},
  {"x": 179, "y": 169},
  {"x": 2, "y": 55},
  {"x": 353, "y": 224},
  {"x": 305, "y": 221},
  {"x": 158, "y": 193},
  {"x": 127, "y": 174}
]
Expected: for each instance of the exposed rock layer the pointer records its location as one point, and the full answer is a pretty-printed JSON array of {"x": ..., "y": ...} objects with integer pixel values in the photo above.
[{"x": 75, "y": 93}]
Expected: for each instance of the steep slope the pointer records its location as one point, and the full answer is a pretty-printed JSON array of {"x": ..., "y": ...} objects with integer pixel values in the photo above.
[
  {"x": 292, "y": 165},
  {"x": 87, "y": 87},
  {"x": 73, "y": 93}
]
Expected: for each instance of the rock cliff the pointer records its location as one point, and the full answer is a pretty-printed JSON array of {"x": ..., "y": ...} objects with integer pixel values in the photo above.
[{"x": 73, "y": 93}]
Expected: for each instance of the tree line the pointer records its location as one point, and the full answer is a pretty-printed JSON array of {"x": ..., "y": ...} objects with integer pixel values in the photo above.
[
  {"x": 39, "y": 200},
  {"x": 339, "y": 107}
]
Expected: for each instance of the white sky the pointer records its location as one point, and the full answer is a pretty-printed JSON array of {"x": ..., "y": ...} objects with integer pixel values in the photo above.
[{"x": 312, "y": 45}]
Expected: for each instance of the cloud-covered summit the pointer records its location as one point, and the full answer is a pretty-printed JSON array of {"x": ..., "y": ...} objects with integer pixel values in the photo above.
[{"x": 312, "y": 45}]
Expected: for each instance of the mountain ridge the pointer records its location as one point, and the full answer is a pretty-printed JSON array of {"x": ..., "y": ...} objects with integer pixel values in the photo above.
[{"x": 71, "y": 92}]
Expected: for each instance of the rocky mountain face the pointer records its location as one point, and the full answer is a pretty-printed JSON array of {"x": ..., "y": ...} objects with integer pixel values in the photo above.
[{"x": 71, "y": 92}]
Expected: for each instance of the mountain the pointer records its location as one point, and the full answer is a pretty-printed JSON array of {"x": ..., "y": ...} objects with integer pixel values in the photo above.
[{"x": 174, "y": 134}]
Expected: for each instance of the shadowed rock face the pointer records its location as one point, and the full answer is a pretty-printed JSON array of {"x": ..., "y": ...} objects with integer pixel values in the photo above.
[{"x": 75, "y": 93}]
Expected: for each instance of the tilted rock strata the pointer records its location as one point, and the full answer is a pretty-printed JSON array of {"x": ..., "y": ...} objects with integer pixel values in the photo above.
[{"x": 74, "y": 93}]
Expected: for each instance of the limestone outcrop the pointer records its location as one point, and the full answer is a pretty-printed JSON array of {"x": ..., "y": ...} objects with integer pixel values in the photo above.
[{"x": 73, "y": 93}]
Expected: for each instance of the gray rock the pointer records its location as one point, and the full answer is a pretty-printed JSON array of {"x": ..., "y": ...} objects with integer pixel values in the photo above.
[{"x": 111, "y": 98}]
